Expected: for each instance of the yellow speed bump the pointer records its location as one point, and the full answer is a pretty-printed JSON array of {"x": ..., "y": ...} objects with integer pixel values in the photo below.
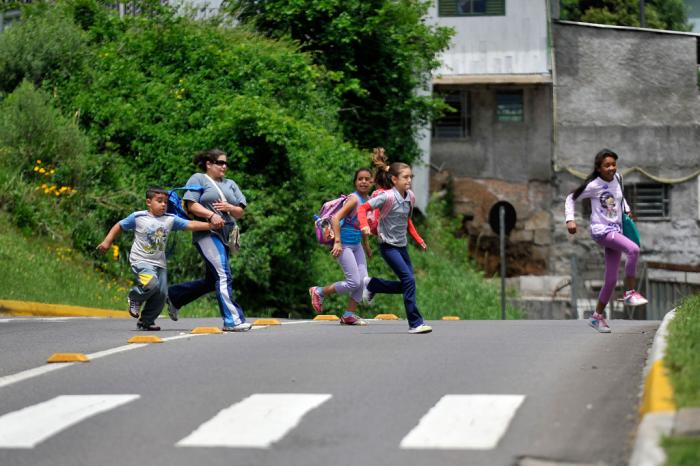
[
  {"x": 450, "y": 318},
  {"x": 198, "y": 330},
  {"x": 326, "y": 317},
  {"x": 145, "y": 339},
  {"x": 260, "y": 322},
  {"x": 68, "y": 357},
  {"x": 387, "y": 317}
]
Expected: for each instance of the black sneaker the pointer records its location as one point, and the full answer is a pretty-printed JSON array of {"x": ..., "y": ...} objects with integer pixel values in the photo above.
[
  {"x": 172, "y": 310},
  {"x": 148, "y": 328},
  {"x": 134, "y": 308}
]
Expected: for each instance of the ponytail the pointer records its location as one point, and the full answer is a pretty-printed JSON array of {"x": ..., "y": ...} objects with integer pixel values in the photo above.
[
  {"x": 597, "y": 163},
  {"x": 382, "y": 176}
]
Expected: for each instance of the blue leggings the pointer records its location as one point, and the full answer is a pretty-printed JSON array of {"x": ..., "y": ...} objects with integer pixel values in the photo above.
[
  {"x": 400, "y": 263},
  {"x": 218, "y": 278}
]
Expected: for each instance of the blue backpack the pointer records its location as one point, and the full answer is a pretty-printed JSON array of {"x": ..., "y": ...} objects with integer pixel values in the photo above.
[{"x": 176, "y": 207}]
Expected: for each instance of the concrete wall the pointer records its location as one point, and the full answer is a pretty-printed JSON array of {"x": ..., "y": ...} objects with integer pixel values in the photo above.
[
  {"x": 511, "y": 44},
  {"x": 635, "y": 92}
]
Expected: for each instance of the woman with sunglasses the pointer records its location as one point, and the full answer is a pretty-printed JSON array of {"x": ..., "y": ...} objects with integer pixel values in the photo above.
[{"x": 220, "y": 203}]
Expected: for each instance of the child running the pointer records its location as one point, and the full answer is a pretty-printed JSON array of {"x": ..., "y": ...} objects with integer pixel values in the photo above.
[
  {"x": 147, "y": 258},
  {"x": 603, "y": 189},
  {"x": 349, "y": 248},
  {"x": 396, "y": 207}
]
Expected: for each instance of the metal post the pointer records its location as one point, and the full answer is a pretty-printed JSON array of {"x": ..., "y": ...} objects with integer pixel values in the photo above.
[
  {"x": 574, "y": 285},
  {"x": 502, "y": 229},
  {"x": 642, "y": 18}
]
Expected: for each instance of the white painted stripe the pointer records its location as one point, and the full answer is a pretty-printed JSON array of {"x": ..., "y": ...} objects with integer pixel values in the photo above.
[
  {"x": 464, "y": 422},
  {"x": 29, "y": 426},
  {"x": 29, "y": 373},
  {"x": 256, "y": 422}
]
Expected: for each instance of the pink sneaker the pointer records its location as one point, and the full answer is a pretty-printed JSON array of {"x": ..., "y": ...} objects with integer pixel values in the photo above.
[
  {"x": 316, "y": 299},
  {"x": 633, "y": 298},
  {"x": 352, "y": 319},
  {"x": 599, "y": 323}
]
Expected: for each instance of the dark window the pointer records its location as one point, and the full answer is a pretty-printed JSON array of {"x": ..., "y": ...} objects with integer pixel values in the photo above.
[
  {"x": 509, "y": 105},
  {"x": 471, "y": 7},
  {"x": 455, "y": 124},
  {"x": 648, "y": 200}
]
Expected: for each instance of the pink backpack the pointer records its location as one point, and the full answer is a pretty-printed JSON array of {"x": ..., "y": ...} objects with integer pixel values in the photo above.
[{"x": 322, "y": 221}]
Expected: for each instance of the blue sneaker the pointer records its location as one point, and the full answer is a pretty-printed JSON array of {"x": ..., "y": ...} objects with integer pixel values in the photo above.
[{"x": 599, "y": 323}]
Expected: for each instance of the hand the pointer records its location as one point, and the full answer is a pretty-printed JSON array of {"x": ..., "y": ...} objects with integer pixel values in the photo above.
[
  {"x": 424, "y": 246},
  {"x": 104, "y": 246},
  {"x": 223, "y": 206},
  {"x": 337, "y": 249},
  {"x": 216, "y": 221},
  {"x": 366, "y": 231},
  {"x": 571, "y": 225}
]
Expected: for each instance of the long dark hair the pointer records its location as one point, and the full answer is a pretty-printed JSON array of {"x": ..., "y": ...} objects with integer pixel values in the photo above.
[
  {"x": 211, "y": 155},
  {"x": 382, "y": 177},
  {"x": 597, "y": 163}
]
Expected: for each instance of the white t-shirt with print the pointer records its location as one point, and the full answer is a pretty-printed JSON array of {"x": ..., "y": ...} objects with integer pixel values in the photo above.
[{"x": 606, "y": 199}]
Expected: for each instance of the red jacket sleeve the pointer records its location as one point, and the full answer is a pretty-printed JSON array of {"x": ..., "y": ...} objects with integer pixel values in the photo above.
[
  {"x": 414, "y": 233},
  {"x": 362, "y": 214}
]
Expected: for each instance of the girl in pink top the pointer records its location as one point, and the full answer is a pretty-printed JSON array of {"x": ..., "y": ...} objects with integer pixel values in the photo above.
[{"x": 607, "y": 206}]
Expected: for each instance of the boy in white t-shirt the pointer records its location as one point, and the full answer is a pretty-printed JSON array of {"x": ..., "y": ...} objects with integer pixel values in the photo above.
[{"x": 147, "y": 257}]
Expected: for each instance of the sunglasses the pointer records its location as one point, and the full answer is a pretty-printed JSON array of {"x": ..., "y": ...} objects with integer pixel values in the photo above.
[{"x": 221, "y": 163}]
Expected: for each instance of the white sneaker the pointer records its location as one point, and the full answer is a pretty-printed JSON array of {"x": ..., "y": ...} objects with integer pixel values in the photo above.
[
  {"x": 633, "y": 298},
  {"x": 244, "y": 327},
  {"x": 367, "y": 296},
  {"x": 421, "y": 329},
  {"x": 599, "y": 323}
]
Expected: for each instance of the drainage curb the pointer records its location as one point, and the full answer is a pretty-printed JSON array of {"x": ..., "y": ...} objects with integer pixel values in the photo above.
[
  {"x": 34, "y": 309},
  {"x": 658, "y": 409}
]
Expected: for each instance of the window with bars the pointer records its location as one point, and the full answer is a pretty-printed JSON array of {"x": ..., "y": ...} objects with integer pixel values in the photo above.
[
  {"x": 456, "y": 124},
  {"x": 509, "y": 106},
  {"x": 648, "y": 200},
  {"x": 471, "y": 7}
]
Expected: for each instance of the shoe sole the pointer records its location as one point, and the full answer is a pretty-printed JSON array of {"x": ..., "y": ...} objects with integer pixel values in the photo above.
[
  {"x": 420, "y": 332},
  {"x": 598, "y": 329},
  {"x": 311, "y": 295}
]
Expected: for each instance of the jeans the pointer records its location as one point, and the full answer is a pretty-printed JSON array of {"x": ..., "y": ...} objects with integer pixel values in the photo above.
[
  {"x": 400, "y": 263},
  {"x": 150, "y": 290},
  {"x": 217, "y": 278}
]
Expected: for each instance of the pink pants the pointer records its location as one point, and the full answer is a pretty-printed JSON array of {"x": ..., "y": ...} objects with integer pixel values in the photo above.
[{"x": 615, "y": 244}]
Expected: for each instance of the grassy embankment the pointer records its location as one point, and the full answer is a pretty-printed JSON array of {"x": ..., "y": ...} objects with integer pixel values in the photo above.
[{"x": 683, "y": 359}]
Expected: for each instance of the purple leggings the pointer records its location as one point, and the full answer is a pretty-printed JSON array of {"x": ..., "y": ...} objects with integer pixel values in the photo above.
[
  {"x": 615, "y": 244},
  {"x": 352, "y": 261}
]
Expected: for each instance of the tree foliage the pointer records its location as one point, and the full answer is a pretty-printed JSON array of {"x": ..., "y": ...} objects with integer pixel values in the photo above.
[
  {"x": 379, "y": 54},
  {"x": 659, "y": 14}
]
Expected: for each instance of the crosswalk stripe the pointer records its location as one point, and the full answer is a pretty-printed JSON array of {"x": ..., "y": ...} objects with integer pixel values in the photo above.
[
  {"x": 31, "y": 425},
  {"x": 464, "y": 422},
  {"x": 256, "y": 422}
]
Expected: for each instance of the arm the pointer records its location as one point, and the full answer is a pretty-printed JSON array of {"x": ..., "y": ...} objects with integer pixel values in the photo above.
[
  {"x": 349, "y": 204},
  {"x": 200, "y": 226},
  {"x": 109, "y": 239},
  {"x": 416, "y": 237},
  {"x": 198, "y": 210},
  {"x": 570, "y": 213},
  {"x": 235, "y": 211},
  {"x": 362, "y": 217}
]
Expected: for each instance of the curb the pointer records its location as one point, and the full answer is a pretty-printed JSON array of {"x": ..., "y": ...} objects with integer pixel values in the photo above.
[
  {"x": 30, "y": 308},
  {"x": 657, "y": 409}
]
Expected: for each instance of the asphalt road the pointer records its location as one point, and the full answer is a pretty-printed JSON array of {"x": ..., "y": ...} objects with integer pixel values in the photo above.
[{"x": 317, "y": 393}]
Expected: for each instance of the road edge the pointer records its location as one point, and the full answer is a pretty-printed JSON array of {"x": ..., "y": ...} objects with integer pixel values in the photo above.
[
  {"x": 657, "y": 407},
  {"x": 35, "y": 309}
]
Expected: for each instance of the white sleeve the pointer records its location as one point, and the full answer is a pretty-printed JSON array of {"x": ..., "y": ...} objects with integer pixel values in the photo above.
[{"x": 569, "y": 210}]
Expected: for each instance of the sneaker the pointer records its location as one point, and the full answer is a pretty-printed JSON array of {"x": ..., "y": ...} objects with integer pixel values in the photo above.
[
  {"x": 316, "y": 300},
  {"x": 421, "y": 329},
  {"x": 173, "y": 312},
  {"x": 367, "y": 296},
  {"x": 599, "y": 323},
  {"x": 149, "y": 328},
  {"x": 242, "y": 327},
  {"x": 352, "y": 319},
  {"x": 633, "y": 298},
  {"x": 134, "y": 308}
]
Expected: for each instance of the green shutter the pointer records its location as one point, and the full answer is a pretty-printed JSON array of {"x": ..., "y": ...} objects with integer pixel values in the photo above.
[{"x": 493, "y": 8}]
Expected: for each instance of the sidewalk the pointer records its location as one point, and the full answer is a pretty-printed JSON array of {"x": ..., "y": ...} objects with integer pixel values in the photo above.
[
  {"x": 659, "y": 415},
  {"x": 30, "y": 308}
]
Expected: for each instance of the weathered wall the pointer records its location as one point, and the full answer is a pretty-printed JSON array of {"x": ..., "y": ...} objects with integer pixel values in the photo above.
[{"x": 635, "y": 92}]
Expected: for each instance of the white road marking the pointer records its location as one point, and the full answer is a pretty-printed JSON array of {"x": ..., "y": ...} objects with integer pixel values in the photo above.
[
  {"x": 29, "y": 426},
  {"x": 256, "y": 422},
  {"x": 464, "y": 422}
]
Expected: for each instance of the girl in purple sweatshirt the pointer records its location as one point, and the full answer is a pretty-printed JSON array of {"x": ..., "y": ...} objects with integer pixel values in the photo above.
[{"x": 607, "y": 206}]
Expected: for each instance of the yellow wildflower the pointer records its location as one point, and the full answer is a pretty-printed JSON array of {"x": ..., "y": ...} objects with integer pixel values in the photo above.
[{"x": 115, "y": 252}]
